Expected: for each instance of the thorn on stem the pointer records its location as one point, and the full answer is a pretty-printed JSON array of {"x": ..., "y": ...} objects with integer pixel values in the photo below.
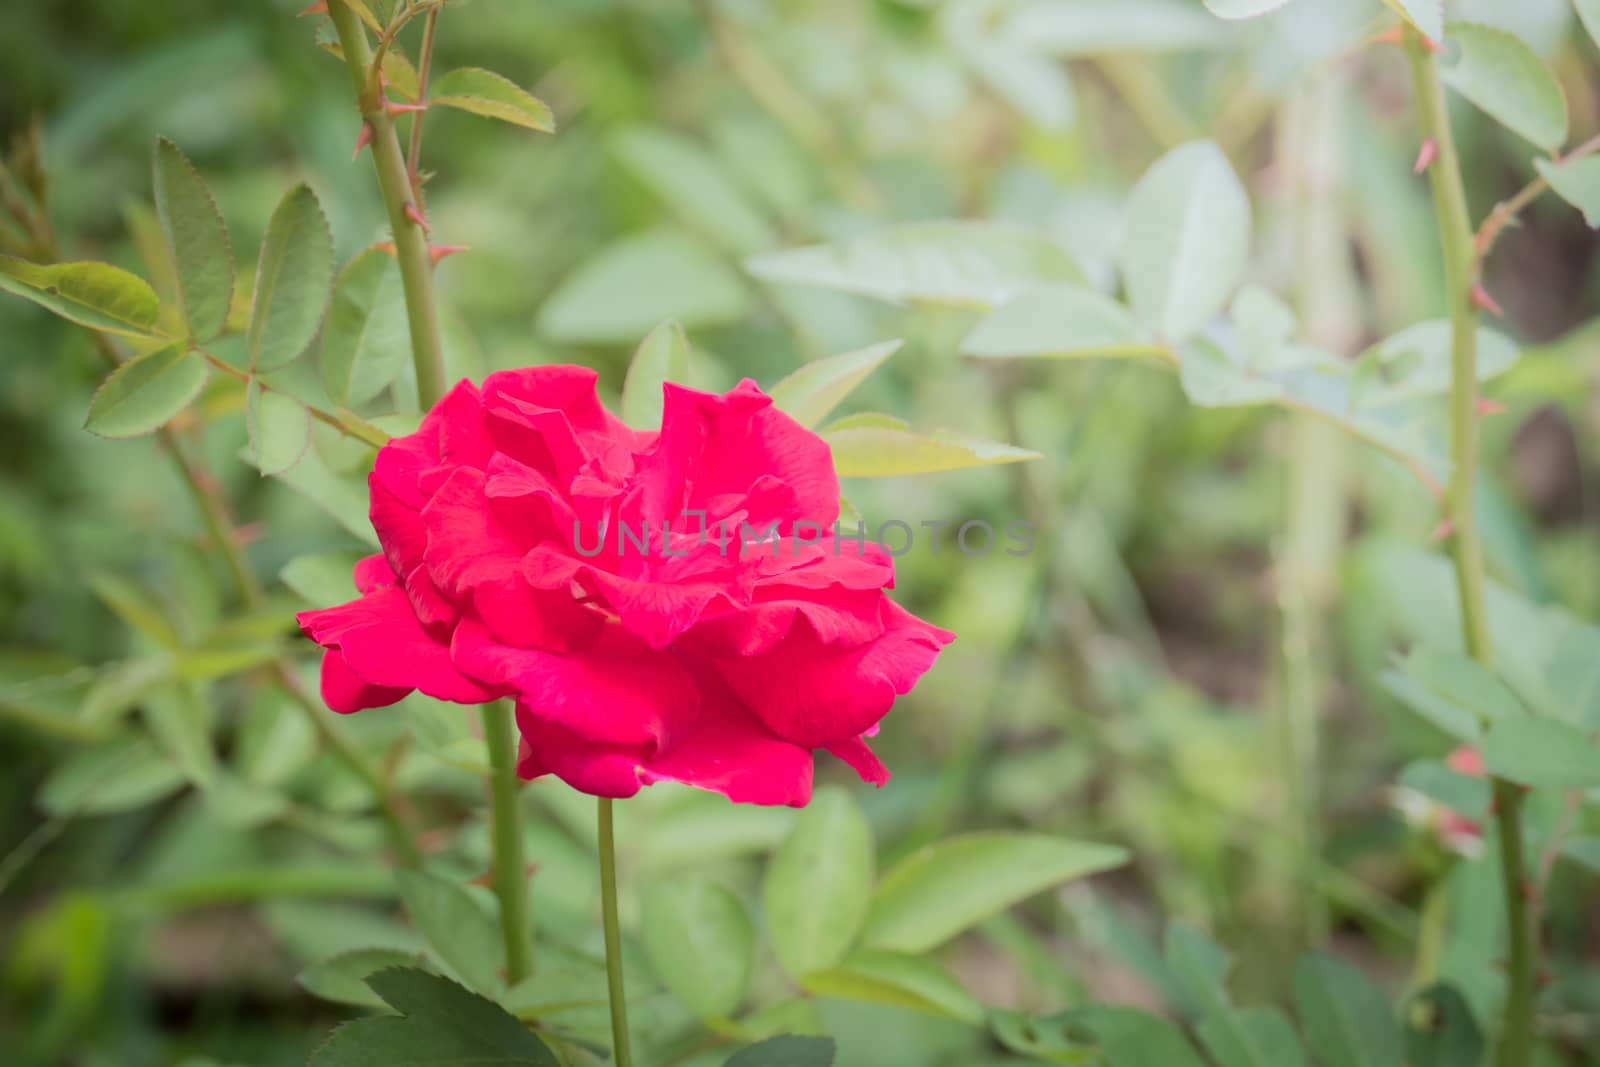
[
  {"x": 1444, "y": 531},
  {"x": 1396, "y": 35},
  {"x": 1481, "y": 299},
  {"x": 395, "y": 107},
  {"x": 386, "y": 247},
  {"x": 318, "y": 8},
  {"x": 1490, "y": 407},
  {"x": 363, "y": 139},
  {"x": 416, "y": 216},
  {"x": 1426, "y": 155},
  {"x": 438, "y": 252}
]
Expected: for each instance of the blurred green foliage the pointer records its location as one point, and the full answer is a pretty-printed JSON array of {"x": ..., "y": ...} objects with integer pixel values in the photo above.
[{"x": 1115, "y": 685}]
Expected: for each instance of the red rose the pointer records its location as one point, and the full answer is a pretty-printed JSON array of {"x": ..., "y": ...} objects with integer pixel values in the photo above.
[{"x": 627, "y": 589}]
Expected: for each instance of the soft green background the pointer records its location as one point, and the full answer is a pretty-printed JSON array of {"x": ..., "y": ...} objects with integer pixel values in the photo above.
[{"x": 1126, "y": 705}]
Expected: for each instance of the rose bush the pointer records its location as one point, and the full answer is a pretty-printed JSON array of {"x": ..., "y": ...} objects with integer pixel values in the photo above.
[{"x": 662, "y": 605}]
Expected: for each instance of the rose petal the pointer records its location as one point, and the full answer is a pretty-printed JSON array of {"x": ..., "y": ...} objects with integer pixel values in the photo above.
[
  {"x": 344, "y": 691},
  {"x": 614, "y": 690},
  {"x": 589, "y": 767},
  {"x": 862, "y": 759},
  {"x": 817, "y": 694},
  {"x": 713, "y": 445},
  {"x": 730, "y": 752},
  {"x": 383, "y": 644}
]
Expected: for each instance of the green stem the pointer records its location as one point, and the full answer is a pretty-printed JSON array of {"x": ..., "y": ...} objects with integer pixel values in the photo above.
[
  {"x": 510, "y": 868},
  {"x": 427, "y": 354},
  {"x": 1315, "y": 504},
  {"x": 1456, "y": 239},
  {"x": 1140, "y": 87},
  {"x": 608, "y": 911},
  {"x": 430, "y": 30},
  {"x": 1432, "y": 934},
  {"x": 410, "y": 241}
]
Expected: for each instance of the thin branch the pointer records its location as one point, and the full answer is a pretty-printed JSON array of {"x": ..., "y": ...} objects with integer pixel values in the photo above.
[
  {"x": 1507, "y": 210},
  {"x": 424, "y": 65}
]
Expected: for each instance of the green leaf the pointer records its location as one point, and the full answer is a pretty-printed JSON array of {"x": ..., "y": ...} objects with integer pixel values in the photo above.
[
  {"x": 323, "y": 580},
  {"x": 243, "y": 805},
  {"x": 122, "y": 775},
  {"x": 1251, "y": 1037},
  {"x": 367, "y": 339},
  {"x": 811, "y": 393},
  {"x": 1583, "y": 850},
  {"x": 274, "y": 739},
  {"x": 118, "y": 687},
  {"x": 456, "y": 928},
  {"x": 96, "y": 295},
  {"x": 140, "y": 608},
  {"x": 486, "y": 93},
  {"x": 1542, "y": 752},
  {"x": 1441, "y": 783},
  {"x": 1188, "y": 236},
  {"x": 1425, "y": 15},
  {"x": 1122, "y": 939},
  {"x": 145, "y": 393},
  {"x": 1059, "y": 321},
  {"x": 342, "y": 497},
  {"x": 1577, "y": 182},
  {"x": 180, "y": 722},
  {"x": 1589, "y": 15},
  {"x": 792, "y": 1015},
  {"x": 279, "y": 428},
  {"x": 663, "y": 356},
  {"x": 700, "y": 942},
  {"x": 1415, "y": 362},
  {"x": 1441, "y": 1031},
  {"x": 818, "y": 883},
  {"x": 1131, "y": 1038},
  {"x": 947, "y": 887},
  {"x": 879, "y": 446},
  {"x": 1505, "y": 78},
  {"x": 1347, "y": 1019},
  {"x": 632, "y": 285},
  {"x": 694, "y": 186},
  {"x": 342, "y": 979},
  {"x": 1375, "y": 398},
  {"x": 292, "y": 279},
  {"x": 981, "y": 264},
  {"x": 1264, "y": 324},
  {"x": 1242, "y": 9},
  {"x": 899, "y": 979},
  {"x": 1455, "y": 693},
  {"x": 198, "y": 240},
  {"x": 1049, "y": 1039},
  {"x": 1093, "y": 29},
  {"x": 441, "y": 1025},
  {"x": 1034, "y": 83},
  {"x": 786, "y": 1051},
  {"x": 1200, "y": 965}
]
